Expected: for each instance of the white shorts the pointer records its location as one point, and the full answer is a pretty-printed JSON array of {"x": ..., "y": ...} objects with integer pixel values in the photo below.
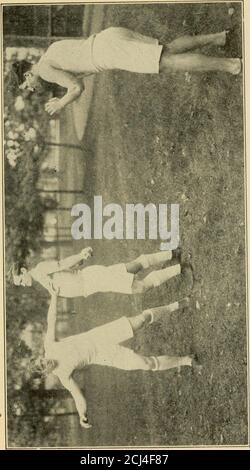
[
  {"x": 101, "y": 346},
  {"x": 113, "y": 278},
  {"x": 109, "y": 352},
  {"x": 123, "y": 49},
  {"x": 114, "y": 332}
]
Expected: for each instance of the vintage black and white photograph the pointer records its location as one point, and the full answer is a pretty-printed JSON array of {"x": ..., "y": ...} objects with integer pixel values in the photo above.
[{"x": 124, "y": 186}]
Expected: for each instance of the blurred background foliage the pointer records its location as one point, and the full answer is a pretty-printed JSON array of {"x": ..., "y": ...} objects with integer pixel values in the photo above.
[{"x": 26, "y": 131}]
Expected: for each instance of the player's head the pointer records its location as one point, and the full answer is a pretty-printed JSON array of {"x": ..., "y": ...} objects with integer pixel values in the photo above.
[
  {"x": 41, "y": 366},
  {"x": 21, "y": 276},
  {"x": 25, "y": 78}
]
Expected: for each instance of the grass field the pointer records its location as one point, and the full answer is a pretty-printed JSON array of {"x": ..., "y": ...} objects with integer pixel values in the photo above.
[{"x": 175, "y": 139}]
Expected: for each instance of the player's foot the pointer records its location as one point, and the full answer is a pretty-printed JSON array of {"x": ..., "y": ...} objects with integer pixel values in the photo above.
[
  {"x": 196, "y": 365},
  {"x": 183, "y": 303},
  {"x": 236, "y": 66},
  {"x": 221, "y": 38},
  {"x": 177, "y": 254},
  {"x": 187, "y": 275}
]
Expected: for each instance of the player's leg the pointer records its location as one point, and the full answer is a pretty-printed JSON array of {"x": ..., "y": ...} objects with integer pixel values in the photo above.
[
  {"x": 171, "y": 362},
  {"x": 153, "y": 314},
  {"x": 148, "y": 260},
  {"x": 156, "y": 278},
  {"x": 157, "y": 313},
  {"x": 111, "y": 353},
  {"x": 126, "y": 359},
  {"x": 138, "y": 321},
  {"x": 189, "y": 62},
  {"x": 188, "y": 42}
]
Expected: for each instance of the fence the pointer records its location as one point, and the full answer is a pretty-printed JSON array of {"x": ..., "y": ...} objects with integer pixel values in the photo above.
[{"x": 41, "y": 25}]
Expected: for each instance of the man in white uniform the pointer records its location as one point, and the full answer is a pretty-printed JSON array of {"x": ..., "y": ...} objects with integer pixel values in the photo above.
[
  {"x": 66, "y": 62},
  {"x": 101, "y": 346},
  {"x": 57, "y": 276}
]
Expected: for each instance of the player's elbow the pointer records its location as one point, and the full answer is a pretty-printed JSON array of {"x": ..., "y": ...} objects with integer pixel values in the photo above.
[{"x": 77, "y": 89}]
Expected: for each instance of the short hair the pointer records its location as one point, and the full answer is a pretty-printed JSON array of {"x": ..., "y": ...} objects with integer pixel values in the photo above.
[
  {"x": 15, "y": 270},
  {"x": 41, "y": 370},
  {"x": 35, "y": 369},
  {"x": 20, "y": 68}
]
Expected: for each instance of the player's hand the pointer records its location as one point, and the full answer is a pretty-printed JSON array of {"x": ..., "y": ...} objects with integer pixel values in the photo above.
[
  {"x": 54, "y": 291},
  {"x": 53, "y": 106},
  {"x": 84, "y": 422},
  {"x": 87, "y": 252}
]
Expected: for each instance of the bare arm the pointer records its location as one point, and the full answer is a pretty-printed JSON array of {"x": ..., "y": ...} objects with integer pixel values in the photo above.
[
  {"x": 71, "y": 261},
  {"x": 53, "y": 266},
  {"x": 51, "y": 321},
  {"x": 80, "y": 401},
  {"x": 65, "y": 79}
]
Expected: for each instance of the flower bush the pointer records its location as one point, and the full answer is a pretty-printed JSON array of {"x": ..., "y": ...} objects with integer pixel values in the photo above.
[
  {"x": 24, "y": 114},
  {"x": 26, "y": 127}
]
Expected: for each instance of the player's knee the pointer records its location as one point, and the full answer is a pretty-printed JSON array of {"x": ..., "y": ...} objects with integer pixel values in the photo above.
[
  {"x": 152, "y": 280},
  {"x": 164, "y": 59},
  {"x": 143, "y": 261},
  {"x": 149, "y": 363}
]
